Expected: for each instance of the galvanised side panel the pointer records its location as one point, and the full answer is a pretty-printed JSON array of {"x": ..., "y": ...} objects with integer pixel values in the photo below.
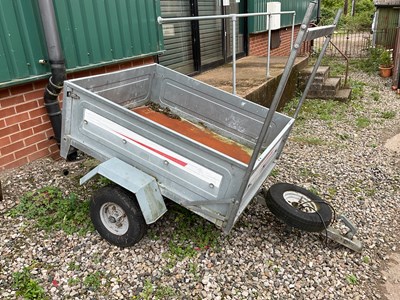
[
  {"x": 92, "y": 32},
  {"x": 258, "y": 24}
]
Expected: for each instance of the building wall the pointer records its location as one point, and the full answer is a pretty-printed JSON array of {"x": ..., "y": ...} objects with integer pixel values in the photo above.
[
  {"x": 258, "y": 43},
  {"x": 25, "y": 129}
]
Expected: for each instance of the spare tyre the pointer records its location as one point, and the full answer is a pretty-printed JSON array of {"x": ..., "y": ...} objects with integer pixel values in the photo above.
[{"x": 298, "y": 207}]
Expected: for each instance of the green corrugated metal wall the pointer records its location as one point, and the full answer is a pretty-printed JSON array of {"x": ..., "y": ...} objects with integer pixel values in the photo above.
[
  {"x": 258, "y": 24},
  {"x": 93, "y": 32}
]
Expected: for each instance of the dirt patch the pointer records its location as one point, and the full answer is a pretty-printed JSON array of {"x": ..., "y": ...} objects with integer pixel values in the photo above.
[
  {"x": 393, "y": 143},
  {"x": 392, "y": 274}
]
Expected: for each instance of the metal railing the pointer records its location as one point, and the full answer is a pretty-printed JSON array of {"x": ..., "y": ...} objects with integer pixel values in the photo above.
[{"x": 234, "y": 18}]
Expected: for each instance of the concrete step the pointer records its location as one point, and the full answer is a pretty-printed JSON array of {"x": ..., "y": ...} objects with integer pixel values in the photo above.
[
  {"x": 321, "y": 75},
  {"x": 339, "y": 95},
  {"x": 332, "y": 83},
  {"x": 343, "y": 94}
]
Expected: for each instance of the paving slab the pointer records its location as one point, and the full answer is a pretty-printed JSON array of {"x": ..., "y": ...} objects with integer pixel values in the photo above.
[{"x": 393, "y": 143}]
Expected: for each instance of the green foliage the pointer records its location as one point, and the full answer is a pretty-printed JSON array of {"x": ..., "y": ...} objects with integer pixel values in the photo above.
[
  {"x": 155, "y": 292},
  {"x": 352, "y": 279},
  {"x": 362, "y": 122},
  {"x": 93, "y": 281},
  {"x": 385, "y": 59},
  {"x": 366, "y": 259},
  {"x": 326, "y": 110},
  {"x": 191, "y": 235},
  {"x": 26, "y": 286},
  {"x": 388, "y": 114},
  {"x": 357, "y": 89},
  {"x": 52, "y": 211},
  {"x": 310, "y": 140},
  {"x": 376, "y": 56},
  {"x": 362, "y": 19}
]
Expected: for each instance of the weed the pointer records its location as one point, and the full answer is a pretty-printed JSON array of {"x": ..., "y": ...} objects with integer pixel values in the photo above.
[
  {"x": 93, "y": 281},
  {"x": 73, "y": 267},
  {"x": 164, "y": 292},
  {"x": 26, "y": 286},
  {"x": 388, "y": 114},
  {"x": 194, "y": 270},
  {"x": 52, "y": 211},
  {"x": 304, "y": 172},
  {"x": 352, "y": 279},
  {"x": 326, "y": 110},
  {"x": 147, "y": 291},
  {"x": 332, "y": 192},
  {"x": 155, "y": 292},
  {"x": 375, "y": 96},
  {"x": 309, "y": 140},
  {"x": 343, "y": 136},
  {"x": 314, "y": 191},
  {"x": 73, "y": 281},
  {"x": 274, "y": 173},
  {"x": 362, "y": 122},
  {"x": 366, "y": 259},
  {"x": 357, "y": 89},
  {"x": 192, "y": 234}
]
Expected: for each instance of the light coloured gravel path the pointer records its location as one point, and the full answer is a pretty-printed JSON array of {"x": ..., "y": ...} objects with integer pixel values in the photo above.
[{"x": 340, "y": 154}]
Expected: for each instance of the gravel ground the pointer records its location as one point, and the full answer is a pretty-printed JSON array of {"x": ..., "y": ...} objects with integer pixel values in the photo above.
[{"x": 346, "y": 163}]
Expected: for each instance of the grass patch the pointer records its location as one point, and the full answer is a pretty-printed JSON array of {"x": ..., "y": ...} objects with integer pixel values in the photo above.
[
  {"x": 362, "y": 122},
  {"x": 52, "y": 211},
  {"x": 357, "y": 89},
  {"x": 93, "y": 281},
  {"x": 151, "y": 291},
  {"x": 191, "y": 235},
  {"x": 308, "y": 140},
  {"x": 26, "y": 286},
  {"x": 388, "y": 115},
  {"x": 352, "y": 279},
  {"x": 325, "y": 110}
]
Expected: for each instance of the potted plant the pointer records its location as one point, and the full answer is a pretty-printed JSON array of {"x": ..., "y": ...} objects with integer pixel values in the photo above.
[{"x": 385, "y": 64}]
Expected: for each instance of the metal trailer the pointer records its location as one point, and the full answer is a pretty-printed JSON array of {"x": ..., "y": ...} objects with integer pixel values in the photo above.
[{"x": 149, "y": 161}]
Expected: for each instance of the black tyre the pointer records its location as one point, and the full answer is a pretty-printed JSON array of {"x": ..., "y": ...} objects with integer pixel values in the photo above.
[
  {"x": 117, "y": 217},
  {"x": 298, "y": 207}
]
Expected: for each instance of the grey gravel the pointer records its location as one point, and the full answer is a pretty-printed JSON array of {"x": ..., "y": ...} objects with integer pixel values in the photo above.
[{"x": 349, "y": 167}]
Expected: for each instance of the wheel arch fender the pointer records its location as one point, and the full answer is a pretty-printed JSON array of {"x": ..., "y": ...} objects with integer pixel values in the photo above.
[{"x": 144, "y": 186}]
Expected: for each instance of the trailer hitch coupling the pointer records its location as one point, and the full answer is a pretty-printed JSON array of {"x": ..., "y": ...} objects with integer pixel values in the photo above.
[{"x": 346, "y": 239}]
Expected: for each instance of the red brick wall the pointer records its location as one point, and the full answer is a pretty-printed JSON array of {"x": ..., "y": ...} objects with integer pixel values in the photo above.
[
  {"x": 25, "y": 129},
  {"x": 258, "y": 43}
]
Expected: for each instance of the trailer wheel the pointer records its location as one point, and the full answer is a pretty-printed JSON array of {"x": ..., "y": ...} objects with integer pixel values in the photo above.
[
  {"x": 116, "y": 216},
  {"x": 298, "y": 207}
]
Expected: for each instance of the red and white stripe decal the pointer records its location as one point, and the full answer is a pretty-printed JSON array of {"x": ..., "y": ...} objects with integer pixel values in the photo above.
[{"x": 145, "y": 144}]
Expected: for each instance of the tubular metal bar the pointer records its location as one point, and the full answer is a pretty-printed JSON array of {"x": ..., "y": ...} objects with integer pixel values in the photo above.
[
  {"x": 264, "y": 130},
  {"x": 234, "y": 55},
  {"x": 234, "y": 17},
  {"x": 162, "y": 20},
  {"x": 316, "y": 66},
  {"x": 269, "y": 45},
  {"x": 347, "y": 61},
  {"x": 292, "y": 37}
]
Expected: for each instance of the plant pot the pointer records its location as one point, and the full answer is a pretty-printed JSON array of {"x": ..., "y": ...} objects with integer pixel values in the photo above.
[{"x": 385, "y": 71}]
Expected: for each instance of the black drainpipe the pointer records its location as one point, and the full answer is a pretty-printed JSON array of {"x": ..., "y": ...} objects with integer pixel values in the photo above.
[{"x": 57, "y": 65}]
